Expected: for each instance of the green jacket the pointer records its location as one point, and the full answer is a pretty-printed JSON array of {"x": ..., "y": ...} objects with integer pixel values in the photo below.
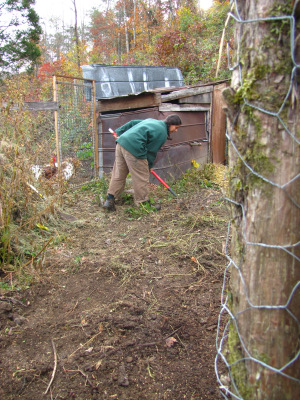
[{"x": 143, "y": 138}]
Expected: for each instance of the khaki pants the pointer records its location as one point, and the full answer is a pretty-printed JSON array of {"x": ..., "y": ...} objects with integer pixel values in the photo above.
[{"x": 125, "y": 162}]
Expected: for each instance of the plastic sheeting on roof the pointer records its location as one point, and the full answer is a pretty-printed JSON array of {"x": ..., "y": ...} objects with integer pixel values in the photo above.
[{"x": 118, "y": 80}]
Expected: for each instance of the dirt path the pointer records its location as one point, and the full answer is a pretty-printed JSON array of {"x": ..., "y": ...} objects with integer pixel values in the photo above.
[{"x": 126, "y": 309}]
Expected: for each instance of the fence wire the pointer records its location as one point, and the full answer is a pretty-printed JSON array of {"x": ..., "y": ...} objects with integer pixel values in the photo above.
[
  {"x": 228, "y": 386},
  {"x": 76, "y": 128}
]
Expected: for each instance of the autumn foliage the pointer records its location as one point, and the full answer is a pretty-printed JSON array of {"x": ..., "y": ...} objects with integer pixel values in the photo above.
[{"x": 135, "y": 32}]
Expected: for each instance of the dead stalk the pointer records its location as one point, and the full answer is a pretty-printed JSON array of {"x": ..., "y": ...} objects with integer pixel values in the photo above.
[
  {"x": 89, "y": 341},
  {"x": 54, "y": 368},
  {"x": 86, "y": 377},
  {"x": 29, "y": 262}
]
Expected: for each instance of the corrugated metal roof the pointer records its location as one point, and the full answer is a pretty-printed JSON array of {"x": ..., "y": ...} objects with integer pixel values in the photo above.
[{"x": 118, "y": 80}]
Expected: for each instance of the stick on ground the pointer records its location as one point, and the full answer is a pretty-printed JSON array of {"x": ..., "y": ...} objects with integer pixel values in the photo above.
[{"x": 54, "y": 368}]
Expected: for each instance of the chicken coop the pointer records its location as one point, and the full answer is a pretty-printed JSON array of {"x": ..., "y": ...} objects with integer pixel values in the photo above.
[{"x": 126, "y": 93}]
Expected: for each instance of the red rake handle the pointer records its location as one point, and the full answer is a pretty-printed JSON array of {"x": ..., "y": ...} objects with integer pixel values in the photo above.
[
  {"x": 113, "y": 133},
  {"x": 163, "y": 182},
  {"x": 154, "y": 173}
]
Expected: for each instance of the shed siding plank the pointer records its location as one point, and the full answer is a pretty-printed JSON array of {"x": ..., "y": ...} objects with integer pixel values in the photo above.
[
  {"x": 169, "y": 107},
  {"x": 129, "y": 102},
  {"x": 198, "y": 99}
]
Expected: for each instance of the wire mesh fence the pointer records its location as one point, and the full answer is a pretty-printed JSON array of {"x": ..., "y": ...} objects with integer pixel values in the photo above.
[
  {"x": 229, "y": 319},
  {"x": 75, "y": 128},
  {"x": 44, "y": 141}
]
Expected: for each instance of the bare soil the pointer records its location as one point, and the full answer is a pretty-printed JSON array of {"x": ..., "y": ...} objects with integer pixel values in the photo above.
[{"x": 123, "y": 309}]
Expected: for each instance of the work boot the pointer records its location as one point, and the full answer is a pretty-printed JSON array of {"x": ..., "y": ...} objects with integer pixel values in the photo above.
[
  {"x": 109, "y": 205},
  {"x": 155, "y": 207}
]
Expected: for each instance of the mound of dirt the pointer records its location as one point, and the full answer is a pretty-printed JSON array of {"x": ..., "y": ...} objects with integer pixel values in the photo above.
[{"x": 125, "y": 309}]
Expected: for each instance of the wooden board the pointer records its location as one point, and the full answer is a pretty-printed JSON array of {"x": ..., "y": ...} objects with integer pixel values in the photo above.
[
  {"x": 178, "y": 94},
  {"x": 142, "y": 100},
  {"x": 218, "y": 128},
  {"x": 182, "y": 107},
  {"x": 204, "y": 98}
]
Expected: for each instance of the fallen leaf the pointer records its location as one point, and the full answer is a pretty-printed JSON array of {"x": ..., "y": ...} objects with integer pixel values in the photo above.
[
  {"x": 42, "y": 227},
  {"x": 171, "y": 341},
  {"x": 89, "y": 350},
  {"x": 212, "y": 327},
  {"x": 98, "y": 363}
]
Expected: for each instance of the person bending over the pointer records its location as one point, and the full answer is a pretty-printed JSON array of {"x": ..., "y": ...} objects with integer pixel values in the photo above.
[{"x": 137, "y": 146}]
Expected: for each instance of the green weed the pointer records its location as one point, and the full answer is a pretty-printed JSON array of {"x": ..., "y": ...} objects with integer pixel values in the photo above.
[
  {"x": 99, "y": 186},
  {"x": 4, "y": 286},
  {"x": 139, "y": 212},
  {"x": 127, "y": 198},
  {"x": 197, "y": 177}
]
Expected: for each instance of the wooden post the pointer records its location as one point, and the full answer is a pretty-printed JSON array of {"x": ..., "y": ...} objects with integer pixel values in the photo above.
[
  {"x": 263, "y": 340},
  {"x": 218, "y": 126},
  {"x": 56, "y": 123},
  {"x": 96, "y": 141}
]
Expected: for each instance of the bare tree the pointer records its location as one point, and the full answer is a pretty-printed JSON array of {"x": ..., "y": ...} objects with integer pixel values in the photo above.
[
  {"x": 263, "y": 125},
  {"x": 126, "y": 28},
  {"x": 134, "y": 16},
  {"x": 77, "y": 49}
]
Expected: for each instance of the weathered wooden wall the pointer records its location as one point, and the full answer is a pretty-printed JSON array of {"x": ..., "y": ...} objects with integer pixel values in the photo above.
[
  {"x": 218, "y": 126},
  {"x": 201, "y": 136},
  {"x": 189, "y": 143}
]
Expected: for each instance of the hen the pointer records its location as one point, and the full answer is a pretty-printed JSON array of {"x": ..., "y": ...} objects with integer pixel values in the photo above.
[{"x": 50, "y": 170}]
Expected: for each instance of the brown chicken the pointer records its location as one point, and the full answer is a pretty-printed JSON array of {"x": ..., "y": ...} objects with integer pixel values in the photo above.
[{"x": 51, "y": 169}]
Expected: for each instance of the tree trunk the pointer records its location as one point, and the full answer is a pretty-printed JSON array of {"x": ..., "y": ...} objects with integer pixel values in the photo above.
[
  {"x": 76, "y": 37},
  {"x": 119, "y": 48},
  {"x": 126, "y": 29},
  {"x": 134, "y": 16},
  {"x": 264, "y": 159},
  {"x": 172, "y": 17}
]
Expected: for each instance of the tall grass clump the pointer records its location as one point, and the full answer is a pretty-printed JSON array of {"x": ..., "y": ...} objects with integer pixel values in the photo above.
[{"x": 24, "y": 213}]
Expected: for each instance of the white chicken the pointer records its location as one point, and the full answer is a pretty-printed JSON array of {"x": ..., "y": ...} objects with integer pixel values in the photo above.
[{"x": 67, "y": 169}]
